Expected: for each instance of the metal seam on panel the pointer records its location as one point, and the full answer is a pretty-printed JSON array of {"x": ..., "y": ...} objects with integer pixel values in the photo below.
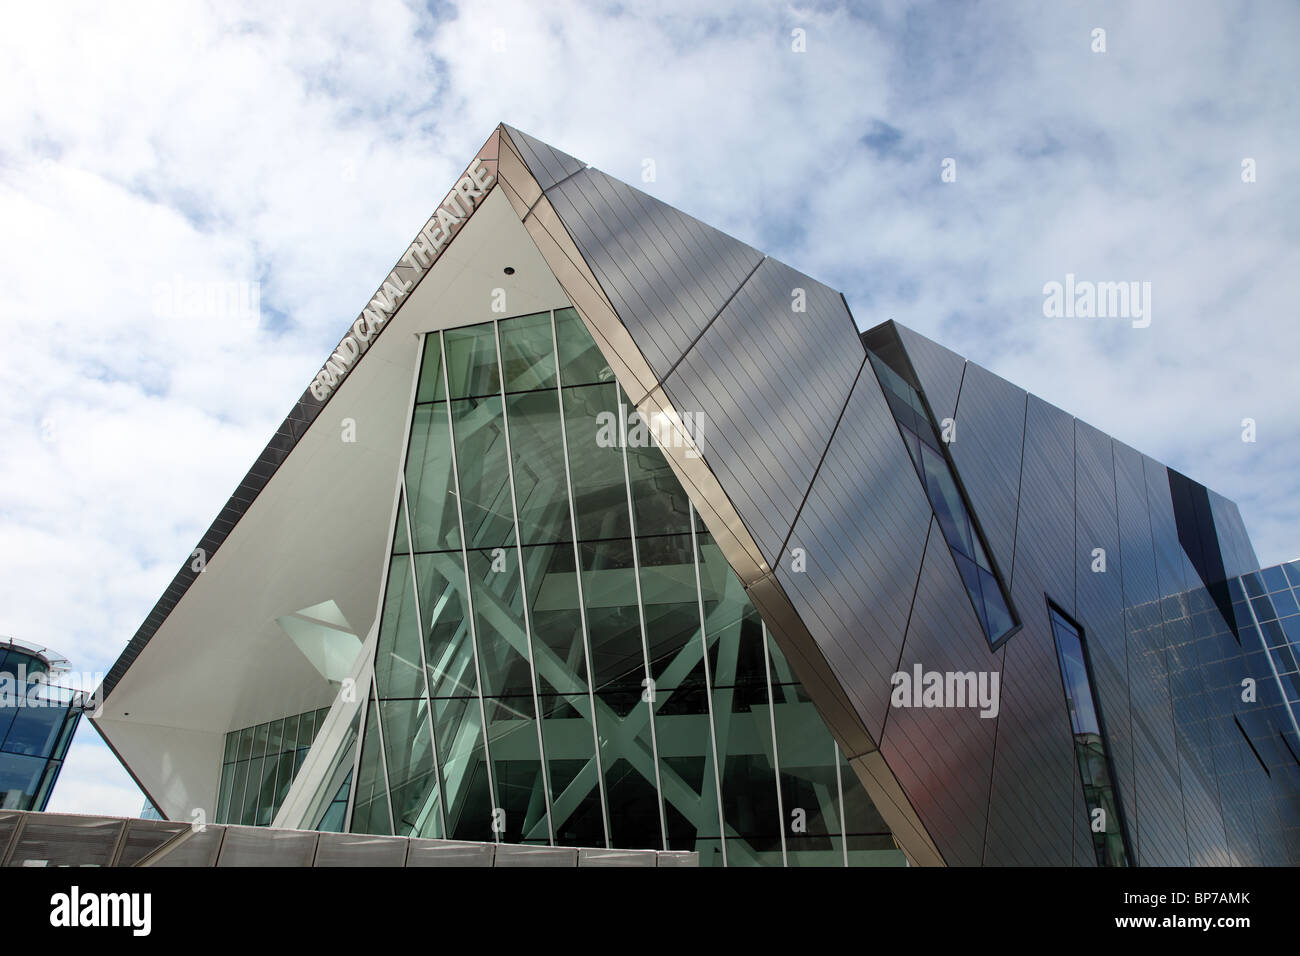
[
  {"x": 1128, "y": 677},
  {"x": 776, "y": 754},
  {"x": 523, "y": 583},
  {"x": 907, "y": 626},
  {"x": 1020, "y": 484},
  {"x": 469, "y": 594},
  {"x": 708, "y": 325},
  {"x": 640, "y": 612},
  {"x": 708, "y": 683},
  {"x": 577, "y": 576},
  {"x": 825, "y": 451}
]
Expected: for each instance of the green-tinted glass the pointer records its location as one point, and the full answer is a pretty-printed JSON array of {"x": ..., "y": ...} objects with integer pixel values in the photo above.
[
  {"x": 537, "y": 448},
  {"x": 613, "y": 618},
  {"x": 499, "y": 620},
  {"x": 580, "y": 360},
  {"x": 248, "y": 816},
  {"x": 626, "y": 749},
  {"x": 672, "y": 608},
  {"x": 412, "y": 784},
  {"x": 484, "y": 472},
  {"x": 571, "y": 764},
  {"x": 370, "y": 809},
  {"x": 431, "y": 483},
  {"x": 431, "y": 386},
  {"x": 472, "y": 361},
  {"x": 869, "y": 839},
  {"x": 517, "y": 769},
  {"x": 234, "y": 811},
  {"x": 662, "y": 506},
  {"x": 558, "y": 644},
  {"x": 458, "y": 727},
  {"x": 266, "y": 805},
  {"x": 527, "y": 354},
  {"x": 591, "y": 416},
  {"x": 291, "y": 725},
  {"x": 448, "y": 644},
  {"x": 807, "y": 755},
  {"x": 397, "y": 659},
  {"x": 227, "y": 784}
]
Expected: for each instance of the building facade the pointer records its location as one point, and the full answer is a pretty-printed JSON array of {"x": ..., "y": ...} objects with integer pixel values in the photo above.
[
  {"x": 600, "y": 528},
  {"x": 37, "y": 720}
]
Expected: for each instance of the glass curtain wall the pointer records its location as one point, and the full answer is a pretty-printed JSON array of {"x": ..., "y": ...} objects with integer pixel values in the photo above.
[
  {"x": 565, "y": 656},
  {"x": 259, "y": 765}
]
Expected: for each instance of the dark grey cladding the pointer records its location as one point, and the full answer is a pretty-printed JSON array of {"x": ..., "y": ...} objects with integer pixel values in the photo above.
[
  {"x": 1033, "y": 814},
  {"x": 666, "y": 274},
  {"x": 938, "y": 371},
  {"x": 990, "y": 435},
  {"x": 770, "y": 384},
  {"x": 862, "y": 529},
  {"x": 1161, "y": 834},
  {"x": 1099, "y": 596},
  {"x": 945, "y": 753},
  {"x": 547, "y": 164}
]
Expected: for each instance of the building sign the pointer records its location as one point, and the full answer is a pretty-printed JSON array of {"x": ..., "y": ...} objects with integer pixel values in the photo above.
[{"x": 420, "y": 256}]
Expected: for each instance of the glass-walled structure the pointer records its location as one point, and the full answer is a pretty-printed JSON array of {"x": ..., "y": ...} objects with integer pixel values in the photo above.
[
  {"x": 565, "y": 656},
  {"x": 260, "y": 763},
  {"x": 37, "y": 721}
]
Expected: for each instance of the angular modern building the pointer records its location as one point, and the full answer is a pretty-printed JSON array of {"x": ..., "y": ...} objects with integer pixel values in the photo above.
[
  {"x": 38, "y": 717},
  {"x": 600, "y": 528}
]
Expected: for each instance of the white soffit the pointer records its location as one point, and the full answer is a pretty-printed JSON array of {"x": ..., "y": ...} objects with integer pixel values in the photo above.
[{"x": 319, "y": 530}]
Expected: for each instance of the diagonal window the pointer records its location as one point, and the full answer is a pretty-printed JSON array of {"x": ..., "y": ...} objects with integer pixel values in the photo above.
[
  {"x": 1089, "y": 743},
  {"x": 916, "y": 425}
]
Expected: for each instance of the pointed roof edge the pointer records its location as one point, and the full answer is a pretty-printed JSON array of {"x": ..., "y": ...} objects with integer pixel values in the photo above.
[{"x": 423, "y": 252}]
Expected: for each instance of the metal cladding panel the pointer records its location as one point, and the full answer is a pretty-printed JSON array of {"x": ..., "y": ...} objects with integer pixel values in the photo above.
[
  {"x": 943, "y": 755},
  {"x": 1234, "y": 543},
  {"x": 1161, "y": 832},
  {"x": 768, "y": 385},
  {"x": 990, "y": 435},
  {"x": 666, "y": 274},
  {"x": 1099, "y": 600},
  {"x": 547, "y": 164},
  {"x": 863, "y": 530},
  {"x": 1032, "y": 817},
  {"x": 938, "y": 369}
]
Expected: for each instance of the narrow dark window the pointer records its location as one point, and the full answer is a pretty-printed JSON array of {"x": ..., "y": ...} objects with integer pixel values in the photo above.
[
  {"x": 939, "y": 479},
  {"x": 1104, "y": 821}
]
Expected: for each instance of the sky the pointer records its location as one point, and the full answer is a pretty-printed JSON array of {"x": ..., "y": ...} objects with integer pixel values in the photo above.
[{"x": 149, "y": 150}]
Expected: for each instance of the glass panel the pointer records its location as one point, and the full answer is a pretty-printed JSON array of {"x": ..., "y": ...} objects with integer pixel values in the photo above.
[
  {"x": 227, "y": 784},
  {"x": 370, "y": 809},
  {"x": 613, "y": 618},
  {"x": 448, "y": 644},
  {"x": 596, "y": 461},
  {"x": 557, "y": 619},
  {"x": 499, "y": 619},
  {"x": 517, "y": 769},
  {"x": 484, "y": 472},
  {"x": 869, "y": 840},
  {"x": 430, "y": 483},
  {"x": 527, "y": 355},
  {"x": 235, "y": 811},
  {"x": 580, "y": 360},
  {"x": 431, "y": 384},
  {"x": 627, "y": 754},
  {"x": 1090, "y": 748},
  {"x": 472, "y": 361},
  {"x": 411, "y": 782},
  {"x": 538, "y": 449},
  {"x": 661, "y": 504},
  {"x": 1274, "y": 579},
  {"x": 809, "y": 789},
  {"x": 672, "y": 610},
  {"x": 397, "y": 659},
  {"x": 248, "y": 816},
  {"x": 571, "y": 764},
  {"x": 458, "y": 726}
]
